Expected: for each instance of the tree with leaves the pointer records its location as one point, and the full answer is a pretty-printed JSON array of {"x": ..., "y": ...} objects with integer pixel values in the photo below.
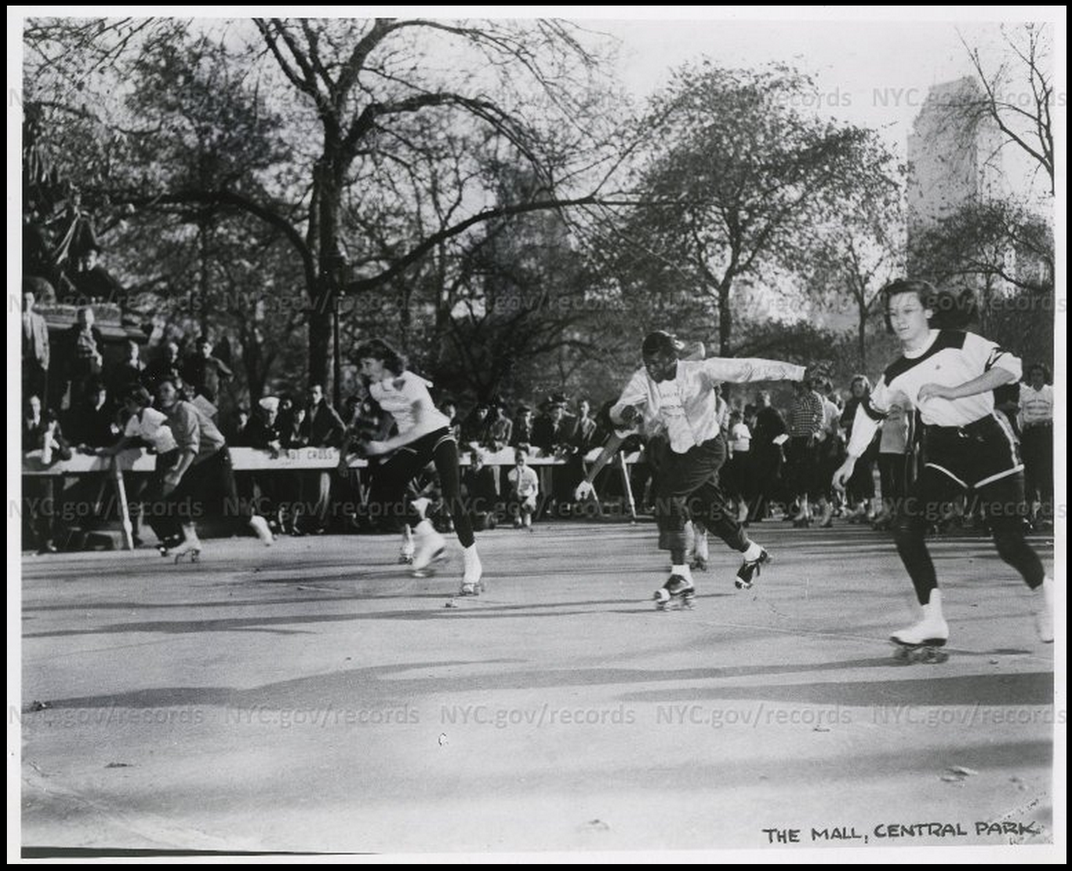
[{"x": 737, "y": 182}]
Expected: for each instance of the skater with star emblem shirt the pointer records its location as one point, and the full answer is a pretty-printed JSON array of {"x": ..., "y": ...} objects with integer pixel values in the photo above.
[{"x": 949, "y": 376}]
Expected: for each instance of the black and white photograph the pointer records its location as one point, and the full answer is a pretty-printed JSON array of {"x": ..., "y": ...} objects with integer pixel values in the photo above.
[{"x": 537, "y": 434}]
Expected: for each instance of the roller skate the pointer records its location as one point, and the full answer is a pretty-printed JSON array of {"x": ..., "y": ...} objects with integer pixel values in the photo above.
[
  {"x": 190, "y": 548},
  {"x": 260, "y": 528},
  {"x": 431, "y": 549},
  {"x": 750, "y": 570},
  {"x": 924, "y": 641},
  {"x": 677, "y": 592},
  {"x": 168, "y": 545},
  {"x": 473, "y": 577}
]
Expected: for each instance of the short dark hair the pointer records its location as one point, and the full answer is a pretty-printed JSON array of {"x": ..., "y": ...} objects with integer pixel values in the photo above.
[
  {"x": 1047, "y": 376},
  {"x": 950, "y": 309},
  {"x": 378, "y": 349},
  {"x": 137, "y": 394},
  {"x": 658, "y": 342}
]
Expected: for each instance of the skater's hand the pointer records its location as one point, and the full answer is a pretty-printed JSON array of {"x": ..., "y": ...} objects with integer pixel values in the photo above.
[
  {"x": 844, "y": 472},
  {"x": 629, "y": 414},
  {"x": 171, "y": 481},
  {"x": 935, "y": 391},
  {"x": 584, "y": 490}
]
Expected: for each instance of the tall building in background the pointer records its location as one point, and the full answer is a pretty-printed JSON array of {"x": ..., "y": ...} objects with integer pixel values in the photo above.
[{"x": 954, "y": 155}]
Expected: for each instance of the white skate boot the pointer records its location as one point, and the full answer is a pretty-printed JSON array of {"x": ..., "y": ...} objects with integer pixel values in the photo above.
[
  {"x": 923, "y": 641},
  {"x": 473, "y": 577},
  {"x": 430, "y": 549},
  {"x": 190, "y": 548},
  {"x": 677, "y": 592},
  {"x": 750, "y": 570},
  {"x": 1044, "y": 610},
  {"x": 260, "y": 527}
]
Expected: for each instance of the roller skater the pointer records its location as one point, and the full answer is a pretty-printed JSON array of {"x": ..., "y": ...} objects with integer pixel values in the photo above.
[
  {"x": 949, "y": 375},
  {"x": 680, "y": 397},
  {"x": 424, "y": 435}
]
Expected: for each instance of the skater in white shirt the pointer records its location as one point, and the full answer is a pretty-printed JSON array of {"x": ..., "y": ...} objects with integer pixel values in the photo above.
[
  {"x": 424, "y": 436},
  {"x": 949, "y": 376},
  {"x": 681, "y": 396}
]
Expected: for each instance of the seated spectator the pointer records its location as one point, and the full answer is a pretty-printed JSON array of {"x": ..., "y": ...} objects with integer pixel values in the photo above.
[
  {"x": 522, "y": 429},
  {"x": 92, "y": 423},
  {"x": 500, "y": 429},
  {"x": 480, "y": 493},
  {"x": 475, "y": 427},
  {"x": 236, "y": 431}
]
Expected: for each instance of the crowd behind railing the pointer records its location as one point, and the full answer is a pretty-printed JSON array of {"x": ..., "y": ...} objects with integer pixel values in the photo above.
[{"x": 780, "y": 466}]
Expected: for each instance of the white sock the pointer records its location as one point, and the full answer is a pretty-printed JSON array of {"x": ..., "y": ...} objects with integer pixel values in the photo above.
[
  {"x": 753, "y": 552},
  {"x": 684, "y": 571}
]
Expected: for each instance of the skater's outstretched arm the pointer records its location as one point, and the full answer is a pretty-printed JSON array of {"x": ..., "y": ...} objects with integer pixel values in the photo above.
[
  {"x": 610, "y": 448},
  {"x": 744, "y": 369}
]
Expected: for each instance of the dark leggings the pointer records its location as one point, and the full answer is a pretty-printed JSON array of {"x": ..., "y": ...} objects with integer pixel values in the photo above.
[
  {"x": 391, "y": 478},
  {"x": 1004, "y": 503}
]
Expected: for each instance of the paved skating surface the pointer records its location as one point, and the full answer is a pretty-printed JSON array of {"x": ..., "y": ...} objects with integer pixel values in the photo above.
[{"x": 313, "y": 696}]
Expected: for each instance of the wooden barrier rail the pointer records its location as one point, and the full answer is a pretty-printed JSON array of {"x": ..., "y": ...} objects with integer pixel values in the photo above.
[{"x": 256, "y": 460}]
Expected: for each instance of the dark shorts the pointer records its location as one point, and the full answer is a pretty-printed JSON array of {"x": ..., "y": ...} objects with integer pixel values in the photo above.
[{"x": 974, "y": 455}]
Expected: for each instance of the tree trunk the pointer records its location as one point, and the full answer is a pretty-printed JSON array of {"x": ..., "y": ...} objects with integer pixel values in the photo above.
[
  {"x": 862, "y": 336},
  {"x": 329, "y": 174},
  {"x": 320, "y": 345},
  {"x": 725, "y": 319}
]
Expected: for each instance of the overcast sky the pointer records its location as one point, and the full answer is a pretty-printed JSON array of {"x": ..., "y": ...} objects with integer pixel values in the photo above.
[{"x": 869, "y": 72}]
